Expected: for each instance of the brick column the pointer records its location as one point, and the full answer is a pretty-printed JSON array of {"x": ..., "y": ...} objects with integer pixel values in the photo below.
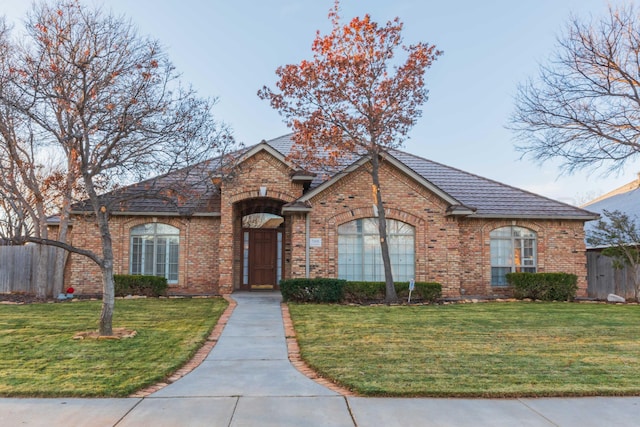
[
  {"x": 225, "y": 246},
  {"x": 298, "y": 245},
  {"x": 451, "y": 287}
]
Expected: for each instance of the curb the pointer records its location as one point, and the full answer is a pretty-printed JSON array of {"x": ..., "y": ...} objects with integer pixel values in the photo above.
[
  {"x": 199, "y": 357},
  {"x": 296, "y": 359}
]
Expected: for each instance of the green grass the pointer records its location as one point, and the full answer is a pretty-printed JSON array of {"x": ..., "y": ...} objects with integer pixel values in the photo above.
[
  {"x": 474, "y": 350},
  {"x": 38, "y": 356}
]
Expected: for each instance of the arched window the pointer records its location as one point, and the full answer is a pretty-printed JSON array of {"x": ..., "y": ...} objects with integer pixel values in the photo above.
[
  {"x": 360, "y": 256},
  {"x": 513, "y": 249},
  {"x": 154, "y": 251}
]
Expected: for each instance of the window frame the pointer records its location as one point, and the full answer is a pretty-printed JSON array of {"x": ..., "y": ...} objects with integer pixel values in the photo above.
[
  {"x": 521, "y": 244},
  {"x": 359, "y": 238},
  {"x": 163, "y": 240}
]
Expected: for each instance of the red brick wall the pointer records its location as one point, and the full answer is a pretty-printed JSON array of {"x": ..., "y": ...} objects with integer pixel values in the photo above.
[
  {"x": 198, "y": 252},
  {"x": 84, "y": 274},
  {"x": 452, "y": 251},
  {"x": 561, "y": 248},
  {"x": 261, "y": 170},
  {"x": 295, "y": 251},
  {"x": 405, "y": 200}
]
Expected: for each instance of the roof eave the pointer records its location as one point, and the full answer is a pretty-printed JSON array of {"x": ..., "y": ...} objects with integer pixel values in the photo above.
[
  {"x": 460, "y": 211},
  {"x": 296, "y": 209},
  {"x": 152, "y": 213},
  {"x": 302, "y": 178},
  {"x": 611, "y": 246},
  {"x": 528, "y": 216},
  {"x": 263, "y": 146}
]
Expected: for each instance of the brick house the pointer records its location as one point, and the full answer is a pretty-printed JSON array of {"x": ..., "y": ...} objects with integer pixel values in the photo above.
[{"x": 271, "y": 220}]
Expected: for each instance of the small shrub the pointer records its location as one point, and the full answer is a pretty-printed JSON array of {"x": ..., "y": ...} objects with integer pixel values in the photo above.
[
  {"x": 423, "y": 291},
  {"x": 367, "y": 292},
  {"x": 312, "y": 290},
  {"x": 321, "y": 290},
  {"x": 151, "y": 286},
  {"x": 364, "y": 292},
  {"x": 544, "y": 286}
]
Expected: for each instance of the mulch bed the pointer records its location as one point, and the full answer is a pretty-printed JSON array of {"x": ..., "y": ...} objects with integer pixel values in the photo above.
[{"x": 19, "y": 298}]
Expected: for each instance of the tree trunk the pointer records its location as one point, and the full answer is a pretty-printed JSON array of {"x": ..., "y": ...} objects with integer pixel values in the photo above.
[
  {"x": 108, "y": 288},
  {"x": 108, "y": 302},
  {"x": 636, "y": 279},
  {"x": 390, "y": 289},
  {"x": 41, "y": 271},
  {"x": 63, "y": 228},
  {"x": 58, "y": 271},
  {"x": 60, "y": 258},
  {"x": 42, "y": 276}
]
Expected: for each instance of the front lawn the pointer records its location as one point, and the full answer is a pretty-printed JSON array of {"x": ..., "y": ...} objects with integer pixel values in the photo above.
[
  {"x": 38, "y": 356},
  {"x": 481, "y": 350}
]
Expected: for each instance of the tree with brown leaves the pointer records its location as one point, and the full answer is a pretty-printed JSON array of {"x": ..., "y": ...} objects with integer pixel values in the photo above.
[{"x": 355, "y": 97}]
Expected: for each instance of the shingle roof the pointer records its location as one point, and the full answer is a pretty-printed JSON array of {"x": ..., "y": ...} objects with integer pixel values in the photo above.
[
  {"x": 488, "y": 198},
  {"x": 185, "y": 192}
]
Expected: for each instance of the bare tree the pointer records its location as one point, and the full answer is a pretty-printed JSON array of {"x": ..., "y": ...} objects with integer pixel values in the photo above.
[
  {"x": 585, "y": 106},
  {"x": 111, "y": 103},
  {"x": 14, "y": 221},
  {"x": 32, "y": 188},
  {"x": 24, "y": 202}
]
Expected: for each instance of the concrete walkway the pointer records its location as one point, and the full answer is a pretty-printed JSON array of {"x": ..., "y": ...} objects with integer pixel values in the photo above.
[{"x": 247, "y": 380}]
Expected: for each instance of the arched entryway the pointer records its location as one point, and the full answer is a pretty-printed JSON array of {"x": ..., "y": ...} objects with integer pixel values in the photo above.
[{"x": 262, "y": 241}]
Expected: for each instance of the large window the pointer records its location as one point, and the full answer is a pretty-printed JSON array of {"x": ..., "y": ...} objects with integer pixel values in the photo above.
[
  {"x": 154, "y": 251},
  {"x": 513, "y": 249},
  {"x": 359, "y": 254}
]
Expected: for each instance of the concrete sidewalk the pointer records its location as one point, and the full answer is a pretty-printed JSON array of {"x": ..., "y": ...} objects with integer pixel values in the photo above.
[{"x": 247, "y": 380}]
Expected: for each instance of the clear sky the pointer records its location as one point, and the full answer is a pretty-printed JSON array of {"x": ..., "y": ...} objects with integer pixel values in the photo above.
[{"x": 230, "y": 48}]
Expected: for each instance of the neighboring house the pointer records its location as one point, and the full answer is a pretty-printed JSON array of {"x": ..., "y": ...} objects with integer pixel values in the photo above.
[
  {"x": 269, "y": 220},
  {"x": 625, "y": 199},
  {"x": 602, "y": 278}
]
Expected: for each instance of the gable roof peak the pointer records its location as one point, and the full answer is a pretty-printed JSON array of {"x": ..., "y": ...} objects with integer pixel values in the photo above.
[{"x": 467, "y": 193}]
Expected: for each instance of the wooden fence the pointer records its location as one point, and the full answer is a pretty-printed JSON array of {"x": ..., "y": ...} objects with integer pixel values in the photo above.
[
  {"x": 18, "y": 268},
  {"x": 603, "y": 279}
]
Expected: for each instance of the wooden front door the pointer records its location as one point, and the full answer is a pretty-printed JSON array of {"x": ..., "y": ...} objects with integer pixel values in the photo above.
[{"x": 263, "y": 258}]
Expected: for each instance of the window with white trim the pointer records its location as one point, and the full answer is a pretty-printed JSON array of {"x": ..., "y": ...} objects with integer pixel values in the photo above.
[
  {"x": 154, "y": 251},
  {"x": 360, "y": 256},
  {"x": 513, "y": 249}
]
